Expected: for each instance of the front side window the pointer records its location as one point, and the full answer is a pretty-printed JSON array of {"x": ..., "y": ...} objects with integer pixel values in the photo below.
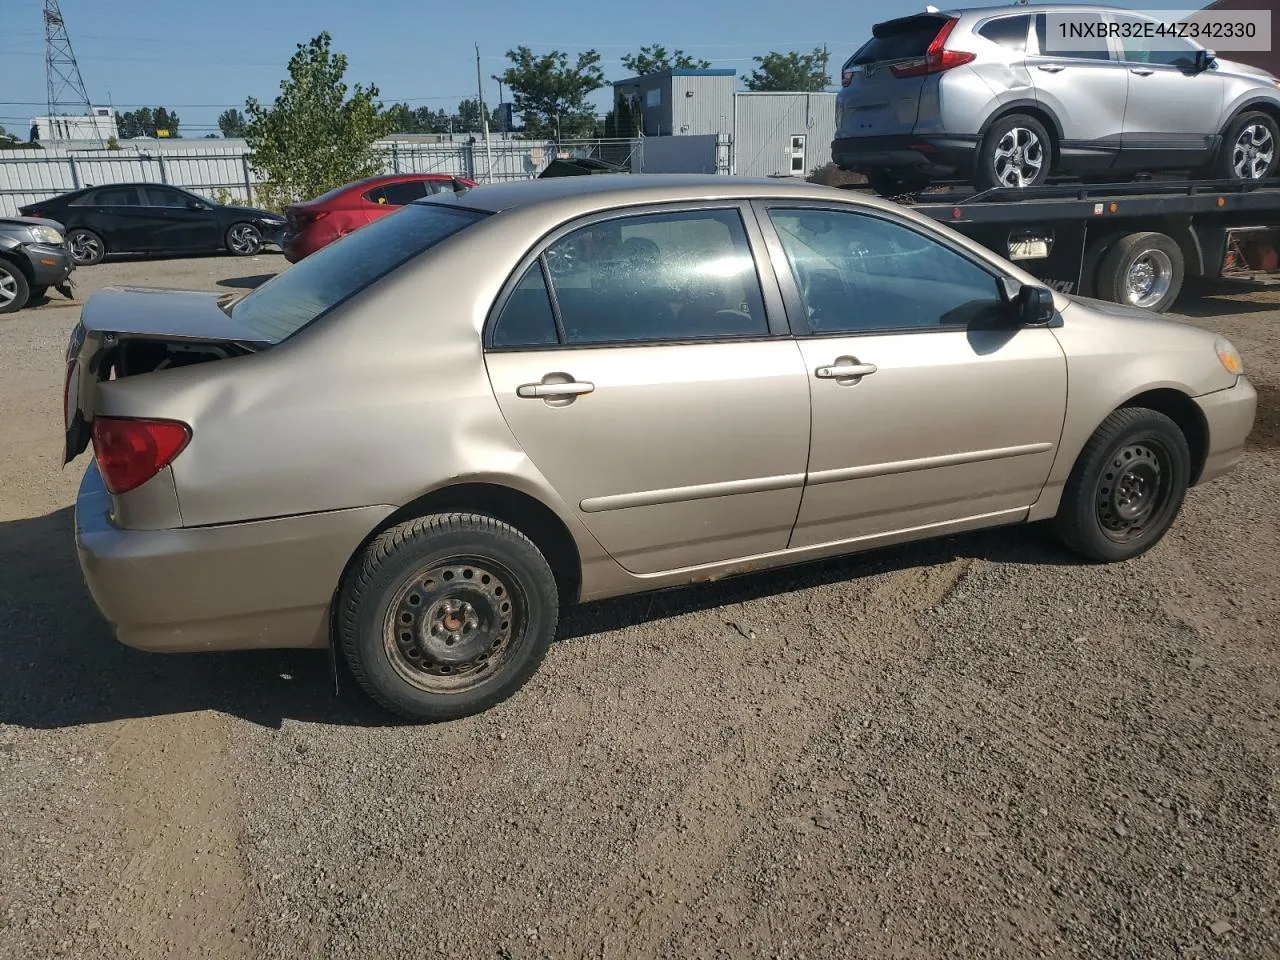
[
  {"x": 863, "y": 274},
  {"x": 290, "y": 300},
  {"x": 164, "y": 197},
  {"x": 670, "y": 276},
  {"x": 1168, "y": 51}
]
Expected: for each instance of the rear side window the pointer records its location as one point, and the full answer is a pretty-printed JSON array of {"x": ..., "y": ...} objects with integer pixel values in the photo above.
[
  {"x": 901, "y": 39},
  {"x": 398, "y": 194},
  {"x": 292, "y": 299},
  {"x": 1008, "y": 32},
  {"x": 116, "y": 197},
  {"x": 1075, "y": 48}
]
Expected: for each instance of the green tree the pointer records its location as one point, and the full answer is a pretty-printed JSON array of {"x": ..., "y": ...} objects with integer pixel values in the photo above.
[
  {"x": 551, "y": 94},
  {"x": 232, "y": 123},
  {"x": 804, "y": 72},
  {"x": 655, "y": 59},
  {"x": 147, "y": 122},
  {"x": 315, "y": 137}
]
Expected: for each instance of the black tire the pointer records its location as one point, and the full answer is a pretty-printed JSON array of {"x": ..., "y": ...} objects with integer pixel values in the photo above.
[
  {"x": 1038, "y": 145},
  {"x": 463, "y": 570},
  {"x": 243, "y": 239},
  {"x": 1224, "y": 163},
  {"x": 87, "y": 247},
  {"x": 1142, "y": 270},
  {"x": 889, "y": 184},
  {"x": 14, "y": 289},
  {"x": 1127, "y": 444}
]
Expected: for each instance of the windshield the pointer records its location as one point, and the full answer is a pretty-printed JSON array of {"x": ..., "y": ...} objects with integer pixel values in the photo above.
[{"x": 289, "y": 301}]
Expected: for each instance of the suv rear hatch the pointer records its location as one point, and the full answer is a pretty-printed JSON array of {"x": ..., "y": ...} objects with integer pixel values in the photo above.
[
  {"x": 126, "y": 332},
  {"x": 883, "y": 81}
]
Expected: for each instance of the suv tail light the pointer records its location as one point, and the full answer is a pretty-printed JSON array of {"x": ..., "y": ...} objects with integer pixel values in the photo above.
[
  {"x": 936, "y": 58},
  {"x": 130, "y": 451}
]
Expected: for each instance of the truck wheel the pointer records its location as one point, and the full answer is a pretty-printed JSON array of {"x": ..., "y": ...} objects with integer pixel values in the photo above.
[
  {"x": 1016, "y": 152},
  {"x": 1126, "y": 488},
  {"x": 1250, "y": 148},
  {"x": 14, "y": 291},
  {"x": 1142, "y": 270},
  {"x": 447, "y": 615}
]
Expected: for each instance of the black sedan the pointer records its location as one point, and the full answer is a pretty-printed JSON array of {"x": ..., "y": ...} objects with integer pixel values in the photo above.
[{"x": 154, "y": 218}]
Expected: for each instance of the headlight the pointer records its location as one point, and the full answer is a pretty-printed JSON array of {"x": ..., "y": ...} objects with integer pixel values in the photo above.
[
  {"x": 47, "y": 235},
  {"x": 1229, "y": 356}
]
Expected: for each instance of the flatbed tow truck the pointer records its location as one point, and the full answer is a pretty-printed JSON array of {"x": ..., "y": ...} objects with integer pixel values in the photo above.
[{"x": 1132, "y": 243}]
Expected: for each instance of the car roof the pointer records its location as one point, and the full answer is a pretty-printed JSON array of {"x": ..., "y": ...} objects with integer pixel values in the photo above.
[
  {"x": 1033, "y": 8},
  {"x": 625, "y": 189}
]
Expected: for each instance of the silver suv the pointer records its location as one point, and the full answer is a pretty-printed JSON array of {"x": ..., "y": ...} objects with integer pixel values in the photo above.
[{"x": 982, "y": 95}]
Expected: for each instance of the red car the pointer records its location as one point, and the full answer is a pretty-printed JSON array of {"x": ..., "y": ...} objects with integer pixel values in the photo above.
[{"x": 314, "y": 223}]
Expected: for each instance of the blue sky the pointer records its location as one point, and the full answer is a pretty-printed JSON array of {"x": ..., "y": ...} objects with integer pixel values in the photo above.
[{"x": 199, "y": 58}]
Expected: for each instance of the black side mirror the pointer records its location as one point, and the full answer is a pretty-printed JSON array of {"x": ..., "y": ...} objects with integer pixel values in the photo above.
[
  {"x": 1204, "y": 60},
  {"x": 1034, "y": 306},
  {"x": 194, "y": 205}
]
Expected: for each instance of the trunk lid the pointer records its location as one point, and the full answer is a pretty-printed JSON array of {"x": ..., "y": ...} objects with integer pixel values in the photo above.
[
  {"x": 127, "y": 332},
  {"x": 874, "y": 101}
]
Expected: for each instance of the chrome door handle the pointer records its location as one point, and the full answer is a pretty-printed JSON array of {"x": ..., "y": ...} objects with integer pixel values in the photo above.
[
  {"x": 546, "y": 391},
  {"x": 1051, "y": 68},
  {"x": 845, "y": 371},
  {"x": 1141, "y": 71}
]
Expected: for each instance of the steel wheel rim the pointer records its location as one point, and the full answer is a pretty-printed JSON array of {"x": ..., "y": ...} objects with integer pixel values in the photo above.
[
  {"x": 1253, "y": 152},
  {"x": 244, "y": 239},
  {"x": 1148, "y": 278},
  {"x": 454, "y": 625},
  {"x": 1019, "y": 157},
  {"x": 85, "y": 247},
  {"x": 1135, "y": 490}
]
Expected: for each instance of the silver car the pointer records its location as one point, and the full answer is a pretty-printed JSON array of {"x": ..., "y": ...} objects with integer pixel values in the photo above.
[
  {"x": 423, "y": 441},
  {"x": 991, "y": 96}
]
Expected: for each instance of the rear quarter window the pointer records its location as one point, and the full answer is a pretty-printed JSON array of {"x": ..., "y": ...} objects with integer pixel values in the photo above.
[{"x": 316, "y": 284}]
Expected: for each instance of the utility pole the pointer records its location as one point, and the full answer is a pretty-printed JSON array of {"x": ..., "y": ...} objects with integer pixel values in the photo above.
[
  {"x": 501, "y": 100},
  {"x": 484, "y": 118}
]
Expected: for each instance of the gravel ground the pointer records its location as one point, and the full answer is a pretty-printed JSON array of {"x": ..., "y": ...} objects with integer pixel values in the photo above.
[{"x": 967, "y": 748}]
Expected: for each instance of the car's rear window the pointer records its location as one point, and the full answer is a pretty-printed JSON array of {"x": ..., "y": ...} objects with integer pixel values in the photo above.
[
  {"x": 289, "y": 301},
  {"x": 899, "y": 39}
]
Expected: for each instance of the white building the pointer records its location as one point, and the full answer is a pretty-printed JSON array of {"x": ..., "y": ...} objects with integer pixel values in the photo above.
[{"x": 99, "y": 126}]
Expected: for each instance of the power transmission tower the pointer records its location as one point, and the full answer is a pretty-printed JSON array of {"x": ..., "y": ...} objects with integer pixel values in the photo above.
[{"x": 66, "y": 85}]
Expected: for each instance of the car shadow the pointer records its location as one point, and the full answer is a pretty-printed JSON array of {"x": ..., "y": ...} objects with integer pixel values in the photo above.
[
  {"x": 1211, "y": 299},
  {"x": 246, "y": 283},
  {"x": 271, "y": 251},
  {"x": 63, "y": 667}
]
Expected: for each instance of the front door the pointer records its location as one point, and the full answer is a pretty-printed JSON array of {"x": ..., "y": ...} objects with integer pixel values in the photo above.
[
  {"x": 180, "y": 225},
  {"x": 1078, "y": 81},
  {"x": 1173, "y": 113},
  {"x": 929, "y": 408},
  {"x": 654, "y": 390}
]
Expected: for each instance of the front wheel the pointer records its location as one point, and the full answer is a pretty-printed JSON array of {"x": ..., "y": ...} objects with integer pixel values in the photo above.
[
  {"x": 14, "y": 292},
  {"x": 447, "y": 615},
  {"x": 1126, "y": 488},
  {"x": 1250, "y": 148},
  {"x": 1015, "y": 152},
  {"x": 244, "y": 239}
]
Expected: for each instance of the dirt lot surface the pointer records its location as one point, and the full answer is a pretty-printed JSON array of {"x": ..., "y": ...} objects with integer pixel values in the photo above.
[{"x": 969, "y": 748}]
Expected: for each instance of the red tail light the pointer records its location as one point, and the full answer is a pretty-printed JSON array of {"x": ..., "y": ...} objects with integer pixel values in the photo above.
[
  {"x": 130, "y": 452},
  {"x": 936, "y": 58},
  {"x": 35, "y": 213},
  {"x": 846, "y": 77}
]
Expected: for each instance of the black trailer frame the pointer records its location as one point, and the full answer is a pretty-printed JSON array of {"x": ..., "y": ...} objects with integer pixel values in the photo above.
[{"x": 1063, "y": 234}]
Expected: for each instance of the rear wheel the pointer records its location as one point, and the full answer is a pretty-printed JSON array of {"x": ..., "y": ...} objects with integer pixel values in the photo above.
[
  {"x": 1126, "y": 488},
  {"x": 1142, "y": 270},
  {"x": 87, "y": 248},
  {"x": 244, "y": 239},
  {"x": 1015, "y": 152},
  {"x": 447, "y": 615},
  {"x": 14, "y": 291}
]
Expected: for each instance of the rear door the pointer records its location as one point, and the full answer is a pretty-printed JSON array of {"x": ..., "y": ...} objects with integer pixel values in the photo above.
[
  {"x": 118, "y": 214},
  {"x": 1079, "y": 82},
  {"x": 656, "y": 389},
  {"x": 874, "y": 101},
  {"x": 180, "y": 226}
]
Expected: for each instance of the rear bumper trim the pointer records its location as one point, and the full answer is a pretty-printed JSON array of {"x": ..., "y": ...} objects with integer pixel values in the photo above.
[{"x": 952, "y": 153}]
